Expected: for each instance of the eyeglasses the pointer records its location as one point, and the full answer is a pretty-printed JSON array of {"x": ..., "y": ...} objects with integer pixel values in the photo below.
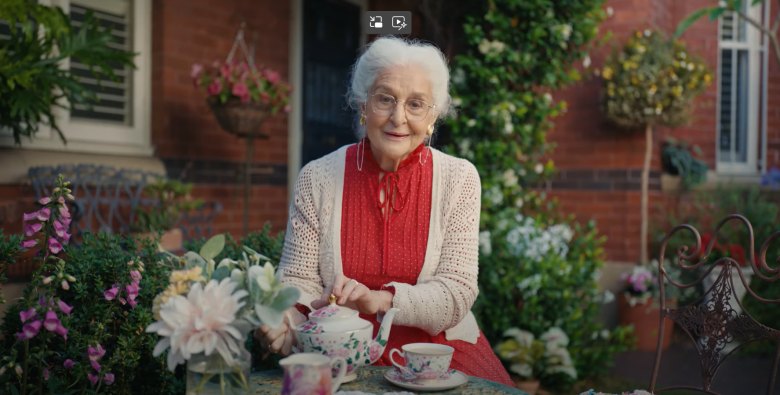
[{"x": 384, "y": 105}]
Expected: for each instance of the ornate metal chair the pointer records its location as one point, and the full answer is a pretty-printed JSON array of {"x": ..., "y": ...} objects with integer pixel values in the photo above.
[
  {"x": 717, "y": 323},
  {"x": 107, "y": 198}
]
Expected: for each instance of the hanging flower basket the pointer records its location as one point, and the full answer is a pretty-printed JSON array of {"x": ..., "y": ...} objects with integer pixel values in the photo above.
[{"x": 241, "y": 119}]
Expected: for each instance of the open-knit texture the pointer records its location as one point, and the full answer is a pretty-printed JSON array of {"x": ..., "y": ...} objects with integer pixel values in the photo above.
[{"x": 447, "y": 284}]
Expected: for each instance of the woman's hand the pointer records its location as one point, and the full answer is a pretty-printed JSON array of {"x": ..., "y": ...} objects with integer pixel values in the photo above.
[
  {"x": 353, "y": 294},
  {"x": 281, "y": 339}
]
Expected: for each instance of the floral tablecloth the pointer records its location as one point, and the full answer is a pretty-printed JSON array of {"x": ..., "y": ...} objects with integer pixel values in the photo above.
[{"x": 371, "y": 380}]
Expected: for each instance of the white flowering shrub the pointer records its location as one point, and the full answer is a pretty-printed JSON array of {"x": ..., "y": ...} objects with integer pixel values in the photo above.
[{"x": 537, "y": 268}]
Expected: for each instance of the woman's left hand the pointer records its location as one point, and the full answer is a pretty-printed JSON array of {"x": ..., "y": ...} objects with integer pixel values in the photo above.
[{"x": 353, "y": 294}]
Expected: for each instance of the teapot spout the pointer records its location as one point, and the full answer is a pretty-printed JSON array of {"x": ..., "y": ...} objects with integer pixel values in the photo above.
[{"x": 380, "y": 341}]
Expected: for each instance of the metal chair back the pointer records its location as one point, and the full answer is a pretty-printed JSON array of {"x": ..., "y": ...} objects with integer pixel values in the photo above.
[{"x": 717, "y": 323}]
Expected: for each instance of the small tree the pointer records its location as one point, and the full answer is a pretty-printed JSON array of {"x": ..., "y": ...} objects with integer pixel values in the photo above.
[{"x": 651, "y": 82}]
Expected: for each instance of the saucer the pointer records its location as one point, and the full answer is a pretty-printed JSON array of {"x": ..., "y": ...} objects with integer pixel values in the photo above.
[{"x": 455, "y": 379}]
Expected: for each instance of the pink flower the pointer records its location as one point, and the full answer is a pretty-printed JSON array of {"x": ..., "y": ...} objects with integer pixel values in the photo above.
[
  {"x": 272, "y": 76},
  {"x": 51, "y": 321},
  {"x": 108, "y": 378},
  {"x": 44, "y": 214},
  {"x": 54, "y": 246},
  {"x": 61, "y": 200},
  {"x": 27, "y": 314},
  {"x": 110, "y": 294},
  {"x": 30, "y": 330},
  {"x": 59, "y": 228},
  {"x": 226, "y": 69},
  {"x": 93, "y": 378},
  {"x": 135, "y": 275},
  {"x": 95, "y": 365},
  {"x": 30, "y": 216},
  {"x": 64, "y": 307},
  {"x": 68, "y": 364},
  {"x": 214, "y": 88},
  {"x": 44, "y": 201},
  {"x": 46, "y": 374},
  {"x": 65, "y": 285},
  {"x": 240, "y": 90},
  {"x": 29, "y": 243},
  {"x": 32, "y": 228},
  {"x": 62, "y": 331},
  {"x": 65, "y": 213},
  {"x": 65, "y": 238},
  {"x": 95, "y": 353},
  {"x": 196, "y": 71}
]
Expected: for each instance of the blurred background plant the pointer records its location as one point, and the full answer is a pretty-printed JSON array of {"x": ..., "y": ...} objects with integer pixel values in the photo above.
[
  {"x": 537, "y": 358},
  {"x": 651, "y": 81},
  {"x": 539, "y": 268},
  {"x": 33, "y": 83},
  {"x": 677, "y": 159},
  {"x": 170, "y": 199},
  {"x": 9, "y": 251}
]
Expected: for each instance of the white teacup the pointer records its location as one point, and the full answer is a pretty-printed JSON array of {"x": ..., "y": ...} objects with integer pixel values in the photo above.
[
  {"x": 424, "y": 361},
  {"x": 310, "y": 373}
]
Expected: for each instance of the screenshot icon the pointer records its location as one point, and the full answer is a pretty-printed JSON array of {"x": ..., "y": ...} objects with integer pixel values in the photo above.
[{"x": 388, "y": 22}]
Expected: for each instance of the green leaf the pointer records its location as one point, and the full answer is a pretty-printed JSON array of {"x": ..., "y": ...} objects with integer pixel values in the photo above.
[
  {"x": 213, "y": 247},
  {"x": 691, "y": 19},
  {"x": 269, "y": 315},
  {"x": 286, "y": 298},
  {"x": 220, "y": 273},
  {"x": 192, "y": 259}
]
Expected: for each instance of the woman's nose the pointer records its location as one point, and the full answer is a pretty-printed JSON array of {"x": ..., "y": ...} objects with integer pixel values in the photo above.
[{"x": 399, "y": 114}]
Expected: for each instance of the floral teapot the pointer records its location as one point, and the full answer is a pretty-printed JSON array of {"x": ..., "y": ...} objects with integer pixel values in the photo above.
[{"x": 338, "y": 331}]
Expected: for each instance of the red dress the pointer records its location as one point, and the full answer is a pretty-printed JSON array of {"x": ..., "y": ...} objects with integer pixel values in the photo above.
[{"x": 377, "y": 248}]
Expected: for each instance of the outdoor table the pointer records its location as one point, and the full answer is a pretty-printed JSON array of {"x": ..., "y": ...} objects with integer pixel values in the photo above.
[{"x": 371, "y": 379}]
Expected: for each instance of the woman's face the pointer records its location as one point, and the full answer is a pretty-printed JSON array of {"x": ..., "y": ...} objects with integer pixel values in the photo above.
[{"x": 393, "y": 130}]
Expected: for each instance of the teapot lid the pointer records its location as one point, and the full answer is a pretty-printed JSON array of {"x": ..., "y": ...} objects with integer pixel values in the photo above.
[{"x": 332, "y": 312}]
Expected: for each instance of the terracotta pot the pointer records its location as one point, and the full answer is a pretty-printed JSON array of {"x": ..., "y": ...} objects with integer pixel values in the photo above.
[
  {"x": 528, "y": 386},
  {"x": 644, "y": 318},
  {"x": 26, "y": 263}
]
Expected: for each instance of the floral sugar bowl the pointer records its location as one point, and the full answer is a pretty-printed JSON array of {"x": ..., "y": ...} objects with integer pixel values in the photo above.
[{"x": 338, "y": 331}]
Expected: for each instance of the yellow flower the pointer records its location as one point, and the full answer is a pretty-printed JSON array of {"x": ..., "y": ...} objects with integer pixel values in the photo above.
[
  {"x": 193, "y": 274},
  {"x": 607, "y": 73}
]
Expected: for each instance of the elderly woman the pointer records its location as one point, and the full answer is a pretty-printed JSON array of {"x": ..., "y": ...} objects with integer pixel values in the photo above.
[{"x": 390, "y": 221}]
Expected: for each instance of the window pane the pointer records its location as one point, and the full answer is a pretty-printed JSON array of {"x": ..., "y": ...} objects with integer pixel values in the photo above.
[
  {"x": 115, "y": 96},
  {"x": 726, "y": 78},
  {"x": 727, "y": 26},
  {"x": 740, "y": 138}
]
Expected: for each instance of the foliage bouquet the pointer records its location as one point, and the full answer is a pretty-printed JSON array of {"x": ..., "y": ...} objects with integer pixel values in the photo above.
[
  {"x": 535, "y": 358},
  {"x": 207, "y": 310}
]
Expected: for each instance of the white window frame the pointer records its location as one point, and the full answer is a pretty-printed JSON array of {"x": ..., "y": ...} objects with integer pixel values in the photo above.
[
  {"x": 756, "y": 45},
  {"x": 105, "y": 137}
]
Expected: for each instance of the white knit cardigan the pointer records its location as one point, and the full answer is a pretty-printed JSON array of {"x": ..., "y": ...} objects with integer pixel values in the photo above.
[{"x": 447, "y": 285}]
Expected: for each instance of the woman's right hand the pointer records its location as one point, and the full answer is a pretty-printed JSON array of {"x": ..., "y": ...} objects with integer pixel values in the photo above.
[{"x": 280, "y": 340}]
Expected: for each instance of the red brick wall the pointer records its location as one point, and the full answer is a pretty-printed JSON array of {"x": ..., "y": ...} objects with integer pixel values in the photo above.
[
  {"x": 184, "y": 131},
  {"x": 591, "y": 149}
]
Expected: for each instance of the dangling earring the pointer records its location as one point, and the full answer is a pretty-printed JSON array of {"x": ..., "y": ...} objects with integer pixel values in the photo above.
[
  {"x": 361, "y": 153},
  {"x": 427, "y": 146},
  {"x": 362, "y": 119}
]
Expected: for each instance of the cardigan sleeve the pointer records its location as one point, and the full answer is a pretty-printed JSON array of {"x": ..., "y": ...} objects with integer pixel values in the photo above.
[
  {"x": 440, "y": 302},
  {"x": 299, "y": 263}
]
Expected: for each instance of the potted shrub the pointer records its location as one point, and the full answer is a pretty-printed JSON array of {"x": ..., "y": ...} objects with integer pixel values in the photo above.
[
  {"x": 171, "y": 198},
  {"x": 677, "y": 159}
]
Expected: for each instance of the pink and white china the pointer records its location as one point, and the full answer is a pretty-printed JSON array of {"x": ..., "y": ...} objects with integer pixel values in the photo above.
[
  {"x": 307, "y": 373},
  {"x": 424, "y": 361},
  {"x": 338, "y": 331}
]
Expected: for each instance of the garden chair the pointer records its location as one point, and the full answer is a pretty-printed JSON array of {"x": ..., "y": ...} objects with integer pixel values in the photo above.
[
  {"x": 107, "y": 199},
  {"x": 717, "y": 323}
]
